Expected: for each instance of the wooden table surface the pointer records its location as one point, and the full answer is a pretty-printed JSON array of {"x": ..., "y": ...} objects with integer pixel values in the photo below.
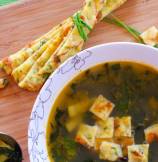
[{"x": 25, "y": 21}]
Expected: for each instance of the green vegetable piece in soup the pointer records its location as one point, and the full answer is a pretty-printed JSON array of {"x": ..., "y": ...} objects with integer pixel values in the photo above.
[{"x": 64, "y": 149}]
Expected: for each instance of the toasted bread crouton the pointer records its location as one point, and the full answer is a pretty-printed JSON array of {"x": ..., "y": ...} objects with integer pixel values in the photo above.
[
  {"x": 86, "y": 135},
  {"x": 151, "y": 133},
  {"x": 102, "y": 107},
  {"x": 123, "y": 127},
  {"x": 150, "y": 36},
  {"x": 138, "y": 153},
  {"x": 105, "y": 128},
  {"x": 110, "y": 151},
  {"x": 124, "y": 142}
]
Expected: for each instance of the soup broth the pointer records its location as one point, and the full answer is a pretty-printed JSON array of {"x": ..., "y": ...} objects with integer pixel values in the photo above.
[{"x": 132, "y": 87}]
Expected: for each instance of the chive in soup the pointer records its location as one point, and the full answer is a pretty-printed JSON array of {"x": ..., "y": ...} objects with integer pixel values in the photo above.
[{"x": 107, "y": 113}]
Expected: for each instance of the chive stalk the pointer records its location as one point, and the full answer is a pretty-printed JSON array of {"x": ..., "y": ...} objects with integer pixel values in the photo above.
[
  {"x": 80, "y": 24},
  {"x": 135, "y": 33}
]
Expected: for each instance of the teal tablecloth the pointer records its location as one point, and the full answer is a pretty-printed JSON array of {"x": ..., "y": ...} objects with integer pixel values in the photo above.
[{"x": 5, "y": 2}]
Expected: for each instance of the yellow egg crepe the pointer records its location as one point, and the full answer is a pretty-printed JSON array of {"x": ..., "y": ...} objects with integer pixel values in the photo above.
[
  {"x": 109, "y": 6},
  {"x": 11, "y": 62},
  {"x": 31, "y": 75},
  {"x": 20, "y": 72},
  {"x": 32, "y": 65},
  {"x": 72, "y": 44}
]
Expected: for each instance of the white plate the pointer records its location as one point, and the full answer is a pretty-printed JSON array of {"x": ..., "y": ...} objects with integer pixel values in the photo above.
[{"x": 65, "y": 73}]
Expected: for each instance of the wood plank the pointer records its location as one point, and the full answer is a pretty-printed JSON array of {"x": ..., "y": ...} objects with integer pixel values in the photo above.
[{"x": 25, "y": 21}]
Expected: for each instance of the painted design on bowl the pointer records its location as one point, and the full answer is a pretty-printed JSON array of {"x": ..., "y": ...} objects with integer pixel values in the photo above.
[{"x": 36, "y": 133}]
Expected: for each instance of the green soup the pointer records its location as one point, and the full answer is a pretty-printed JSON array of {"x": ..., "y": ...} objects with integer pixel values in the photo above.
[{"x": 132, "y": 87}]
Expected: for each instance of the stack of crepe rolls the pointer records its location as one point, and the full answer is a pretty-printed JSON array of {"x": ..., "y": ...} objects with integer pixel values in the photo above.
[{"x": 32, "y": 65}]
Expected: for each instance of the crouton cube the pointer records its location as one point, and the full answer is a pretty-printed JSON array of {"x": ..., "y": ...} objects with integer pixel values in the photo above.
[
  {"x": 110, "y": 151},
  {"x": 138, "y": 153},
  {"x": 150, "y": 36},
  {"x": 102, "y": 107},
  {"x": 124, "y": 142},
  {"x": 86, "y": 135},
  {"x": 105, "y": 128},
  {"x": 99, "y": 141},
  {"x": 123, "y": 127},
  {"x": 151, "y": 133}
]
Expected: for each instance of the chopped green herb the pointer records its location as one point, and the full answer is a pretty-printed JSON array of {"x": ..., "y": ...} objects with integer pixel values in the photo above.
[
  {"x": 89, "y": 136},
  {"x": 42, "y": 42},
  {"x": 46, "y": 75},
  {"x": 58, "y": 117},
  {"x": 73, "y": 87},
  {"x": 90, "y": 3},
  {"x": 55, "y": 132},
  {"x": 105, "y": 128},
  {"x": 96, "y": 77},
  {"x": 65, "y": 149},
  {"x": 156, "y": 46},
  {"x": 115, "y": 67},
  {"x": 115, "y": 150},
  {"x": 107, "y": 68}
]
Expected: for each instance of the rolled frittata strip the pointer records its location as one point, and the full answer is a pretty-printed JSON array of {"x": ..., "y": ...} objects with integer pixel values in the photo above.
[
  {"x": 41, "y": 61},
  {"x": 34, "y": 80},
  {"x": 109, "y": 6},
  {"x": 11, "y": 62},
  {"x": 73, "y": 42},
  {"x": 20, "y": 72},
  {"x": 70, "y": 46}
]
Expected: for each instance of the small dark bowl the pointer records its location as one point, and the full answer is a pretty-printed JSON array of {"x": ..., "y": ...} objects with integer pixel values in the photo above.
[{"x": 16, "y": 156}]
